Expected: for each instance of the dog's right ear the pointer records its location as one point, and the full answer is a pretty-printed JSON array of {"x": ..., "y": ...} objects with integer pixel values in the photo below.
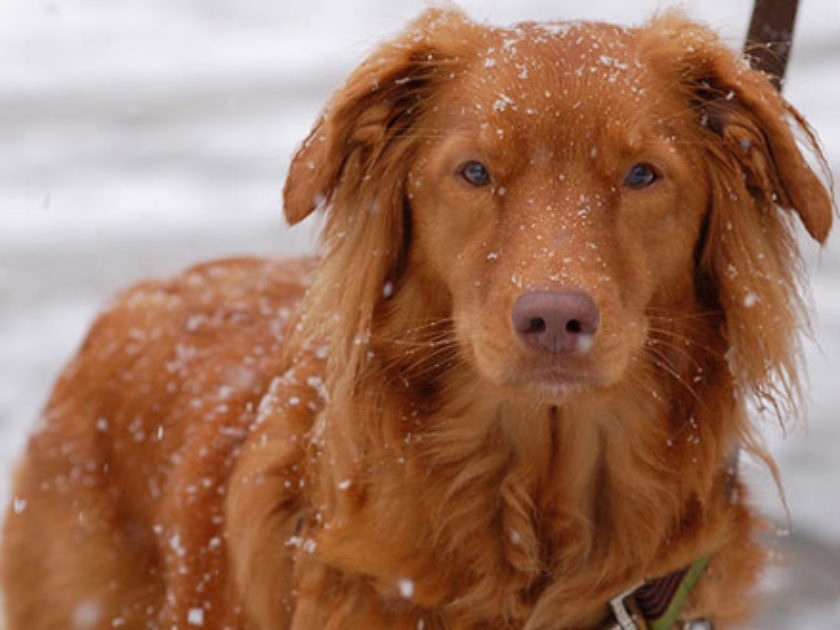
[{"x": 368, "y": 120}]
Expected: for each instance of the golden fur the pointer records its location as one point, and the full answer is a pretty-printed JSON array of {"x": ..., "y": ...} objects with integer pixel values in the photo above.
[{"x": 391, "y": 456}]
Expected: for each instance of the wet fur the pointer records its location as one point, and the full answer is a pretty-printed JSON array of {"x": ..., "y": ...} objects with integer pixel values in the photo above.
[{"x": 395, "y": 459}]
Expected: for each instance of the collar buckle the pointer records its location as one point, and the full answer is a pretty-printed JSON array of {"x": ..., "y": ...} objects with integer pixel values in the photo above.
[{"x": 626, "y": 612}]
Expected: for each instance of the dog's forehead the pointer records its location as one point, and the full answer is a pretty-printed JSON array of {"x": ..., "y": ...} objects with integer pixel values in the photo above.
[{"x": 577, "y": 73}]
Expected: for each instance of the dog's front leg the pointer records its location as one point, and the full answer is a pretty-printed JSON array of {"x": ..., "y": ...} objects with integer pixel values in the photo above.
[{"x": 266, "y": 503}]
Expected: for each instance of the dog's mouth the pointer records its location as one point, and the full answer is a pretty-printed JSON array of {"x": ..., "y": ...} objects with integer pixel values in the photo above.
[
  {"x": 557, "y": 379},
  {"x": 524, "y": 372},
  {"x": 553, "y": 379}
]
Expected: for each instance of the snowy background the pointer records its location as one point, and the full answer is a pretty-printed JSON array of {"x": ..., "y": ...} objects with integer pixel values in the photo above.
[{"x": 139, "y": 136}]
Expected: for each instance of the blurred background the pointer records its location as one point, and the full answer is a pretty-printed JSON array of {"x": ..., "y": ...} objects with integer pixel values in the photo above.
[{"x": 139, "y": 136}]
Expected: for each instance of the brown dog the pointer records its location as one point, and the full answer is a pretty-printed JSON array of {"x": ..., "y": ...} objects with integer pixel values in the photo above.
[{"x": 558, "y": 260}]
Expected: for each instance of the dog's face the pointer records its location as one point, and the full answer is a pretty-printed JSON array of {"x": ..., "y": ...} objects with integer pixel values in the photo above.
[
  {"x": 554, "y": 189},
  {"x": 557, "y": 197}
]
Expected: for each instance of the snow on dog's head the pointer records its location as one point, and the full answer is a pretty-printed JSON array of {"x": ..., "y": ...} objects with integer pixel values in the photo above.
[{"x": 576, "y": 206}]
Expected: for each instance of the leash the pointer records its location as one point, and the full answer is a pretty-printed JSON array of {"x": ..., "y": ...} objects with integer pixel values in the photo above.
[{"x": 770, "y": 37}]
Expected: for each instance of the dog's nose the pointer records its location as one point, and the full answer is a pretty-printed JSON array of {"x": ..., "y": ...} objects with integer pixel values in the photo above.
[{"x": 556, "y": 321}]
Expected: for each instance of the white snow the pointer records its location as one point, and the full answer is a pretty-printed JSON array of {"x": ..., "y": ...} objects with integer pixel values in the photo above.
[
  {"x": 584, "y": 343},
  {"x": 502, "y": 103},
  {"x": 86, "y": 614},
  {"x": 406, "y": 587},
  {"x": 177, "y": 546},
  {"x": 195, "y": 617}
]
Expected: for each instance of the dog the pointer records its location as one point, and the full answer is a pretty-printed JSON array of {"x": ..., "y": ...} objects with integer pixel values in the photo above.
[{"x": 558, "y": 262}]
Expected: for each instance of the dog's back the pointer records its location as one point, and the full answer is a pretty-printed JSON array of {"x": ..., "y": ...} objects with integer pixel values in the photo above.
[{"x": 148, "y": 413}]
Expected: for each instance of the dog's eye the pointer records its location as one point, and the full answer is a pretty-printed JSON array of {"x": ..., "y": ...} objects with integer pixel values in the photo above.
[
  {"x": 475, "y": 173},
  {"x": 640, "y": 175}
]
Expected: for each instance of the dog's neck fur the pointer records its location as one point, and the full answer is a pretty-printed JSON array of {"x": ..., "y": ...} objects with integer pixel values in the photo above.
[{"x": 558, "y": 492}]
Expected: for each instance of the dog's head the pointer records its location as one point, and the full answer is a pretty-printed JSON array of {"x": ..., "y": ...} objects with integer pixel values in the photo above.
[{"x": 560, "y": 193}]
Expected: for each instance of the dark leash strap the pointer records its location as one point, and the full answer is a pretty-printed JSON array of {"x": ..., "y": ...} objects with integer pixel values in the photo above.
[{"x": 770, "y": 36}]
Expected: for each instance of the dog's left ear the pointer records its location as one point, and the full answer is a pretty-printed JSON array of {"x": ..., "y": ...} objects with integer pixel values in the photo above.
[
  {"x": 748, "y": 262},
  {"x": 740, "y": 107}
]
